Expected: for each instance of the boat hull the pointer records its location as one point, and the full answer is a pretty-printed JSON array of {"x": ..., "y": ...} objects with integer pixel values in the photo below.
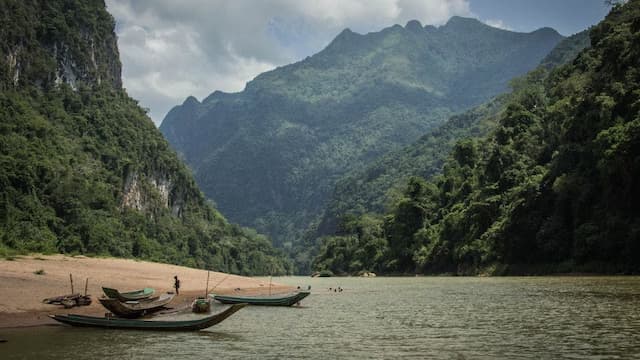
[
  {"x": 137, "y": 309},
  {"x": 128, "y": 296},
  {"x": 287, "y": 300},
  {"x": 157, "y": 324}
]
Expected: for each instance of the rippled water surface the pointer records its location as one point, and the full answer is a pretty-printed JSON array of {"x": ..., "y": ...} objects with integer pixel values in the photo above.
[{"x": 426, "y": 317}]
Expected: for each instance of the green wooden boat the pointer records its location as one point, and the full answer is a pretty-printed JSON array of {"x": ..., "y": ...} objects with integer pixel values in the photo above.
[
  {"x": 268, "y": 300},
  {"x": 130, "y": 295},
  {"x": 158, "y": 323},
  {"x": 136, "y": 308}
]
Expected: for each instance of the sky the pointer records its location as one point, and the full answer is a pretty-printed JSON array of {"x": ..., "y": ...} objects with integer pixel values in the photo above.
[{"x": 174, "y": 49}]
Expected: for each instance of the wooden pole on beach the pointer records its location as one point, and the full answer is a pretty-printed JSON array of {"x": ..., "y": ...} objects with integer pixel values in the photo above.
[
  {"x": 71, "y": 279},
  {"x": 86, "y": 285},
  {"x": 206, "y": 290},
  {"x": 270, "y": 279}
]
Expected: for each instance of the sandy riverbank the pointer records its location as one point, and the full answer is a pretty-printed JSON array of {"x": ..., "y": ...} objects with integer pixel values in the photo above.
[{"x": 22, "y": 290}]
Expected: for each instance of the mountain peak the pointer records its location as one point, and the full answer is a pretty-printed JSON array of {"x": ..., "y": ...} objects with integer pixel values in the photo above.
[
  {"x": 459, "y": 22},
  {"x": 214, "y": 95},
  {"x": 191, "y": 100},
  {"x": 547, "y": 31},
  {"x": 346, "y": 33},
  {"x": 413, "y": 26},
  {"x": 343, "y": 41}
]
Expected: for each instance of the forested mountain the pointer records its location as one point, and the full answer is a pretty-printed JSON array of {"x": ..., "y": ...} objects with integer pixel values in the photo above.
[
  {"x": 271, "y": 154},
  {"x": 82, "y": 167},
  {"x": 552, "y": 188},
  {"x": 372, "y": 188}
]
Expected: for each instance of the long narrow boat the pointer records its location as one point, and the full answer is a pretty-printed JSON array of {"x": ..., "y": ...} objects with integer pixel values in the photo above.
[
  {"x": 137, "y": 308},
  {"x": 268, "y": 300},
  {"x": 158, "y": 323},
  {"x": 130, "y": 295}
]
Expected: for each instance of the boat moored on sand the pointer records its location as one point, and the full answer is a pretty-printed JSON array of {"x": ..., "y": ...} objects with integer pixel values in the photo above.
[
  {"x": 136, "y": 308},
  {"x": 130, "y": 295},
  {"x": 167, "y": 323}
]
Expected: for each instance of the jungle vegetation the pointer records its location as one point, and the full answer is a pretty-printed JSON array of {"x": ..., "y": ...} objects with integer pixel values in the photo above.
[
  {"x": 83, "y": 170},
  {"x": 552, "y": 188}
]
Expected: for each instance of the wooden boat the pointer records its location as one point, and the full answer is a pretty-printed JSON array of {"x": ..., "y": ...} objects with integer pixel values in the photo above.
[
  {"x": 269, "y": 300},
  {"x": 137, "y": 308},
  {"x": 130, "y": 295},
  {"x": 157, "y": 323}
]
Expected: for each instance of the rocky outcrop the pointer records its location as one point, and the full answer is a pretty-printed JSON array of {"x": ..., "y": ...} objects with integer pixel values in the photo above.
[
  {"x": 13, "y": 66},
  {"x": 145, "y": 193},
  {"x": 43, "y": 46}
]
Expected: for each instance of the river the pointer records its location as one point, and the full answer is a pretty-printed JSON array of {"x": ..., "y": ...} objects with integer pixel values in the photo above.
[{"x": 421, "y": 317}]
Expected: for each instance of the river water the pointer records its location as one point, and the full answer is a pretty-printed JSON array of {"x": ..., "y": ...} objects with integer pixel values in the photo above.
[{"x": 422, "y": 317}]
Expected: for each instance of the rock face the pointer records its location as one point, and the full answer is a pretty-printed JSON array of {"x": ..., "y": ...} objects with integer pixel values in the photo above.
[
  {"x": 82, "y": 167},
  {"x": 144, "y": 192},
  {"x": 41, "y": 45},
  {"x": 271, "y": 154}
]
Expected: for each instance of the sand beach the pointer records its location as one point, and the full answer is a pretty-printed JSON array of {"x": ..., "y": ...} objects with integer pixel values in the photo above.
[{"x": 26, "y": 280}]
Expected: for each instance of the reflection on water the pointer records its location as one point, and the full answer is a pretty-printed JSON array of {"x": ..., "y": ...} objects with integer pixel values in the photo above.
[{"x": 440, "y": 318}]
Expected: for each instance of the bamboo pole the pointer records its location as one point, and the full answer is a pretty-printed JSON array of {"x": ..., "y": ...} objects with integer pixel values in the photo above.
[
  {"x": 206, "y": 290},
  {"x": 270, "y": 279},
  {"x": 71, "y": 279}
]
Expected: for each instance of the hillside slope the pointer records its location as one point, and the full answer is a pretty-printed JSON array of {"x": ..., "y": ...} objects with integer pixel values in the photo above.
[
  {"x": 271, "y": 154},
  {"x": 82, "y": 168},
  {"x": 551, "y": 189},
  {"x": 372, "y": 188}
]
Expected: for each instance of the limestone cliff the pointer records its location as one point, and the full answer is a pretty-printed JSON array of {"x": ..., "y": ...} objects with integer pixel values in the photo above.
[
  {"x": 53, "y": 42},
  {"x": 82, "y": 167}
]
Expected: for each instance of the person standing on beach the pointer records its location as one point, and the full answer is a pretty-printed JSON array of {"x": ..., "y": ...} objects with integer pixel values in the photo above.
[{"x": 176, "y": 284}]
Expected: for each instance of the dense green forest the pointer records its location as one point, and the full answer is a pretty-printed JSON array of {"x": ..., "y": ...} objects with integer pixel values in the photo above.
[
  {"x": 378, "y": 186},
  {"x": 271, "y": 155},
  {"x": 83, "y": 170},
  {"x": 552, "y": 188}
]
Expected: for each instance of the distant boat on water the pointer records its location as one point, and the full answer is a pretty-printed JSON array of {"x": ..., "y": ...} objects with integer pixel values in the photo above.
[
  {"x": 268, "y": 300},
  {"x": 323, "y": 273}
]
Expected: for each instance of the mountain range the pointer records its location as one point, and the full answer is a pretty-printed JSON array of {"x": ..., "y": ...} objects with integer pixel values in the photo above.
[
  {"x": 271, "y": 155},
  {"x": 549, "y": 188},
  {"x": 372, "y": 188},
  {"x": 460, "y": 149}
]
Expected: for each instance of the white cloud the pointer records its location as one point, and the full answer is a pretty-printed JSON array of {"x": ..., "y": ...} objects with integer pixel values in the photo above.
[
  {"x": 497, "y": 24},
  {"x": 431, "y": 12},
  {"x": 172, "y": 49}
]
